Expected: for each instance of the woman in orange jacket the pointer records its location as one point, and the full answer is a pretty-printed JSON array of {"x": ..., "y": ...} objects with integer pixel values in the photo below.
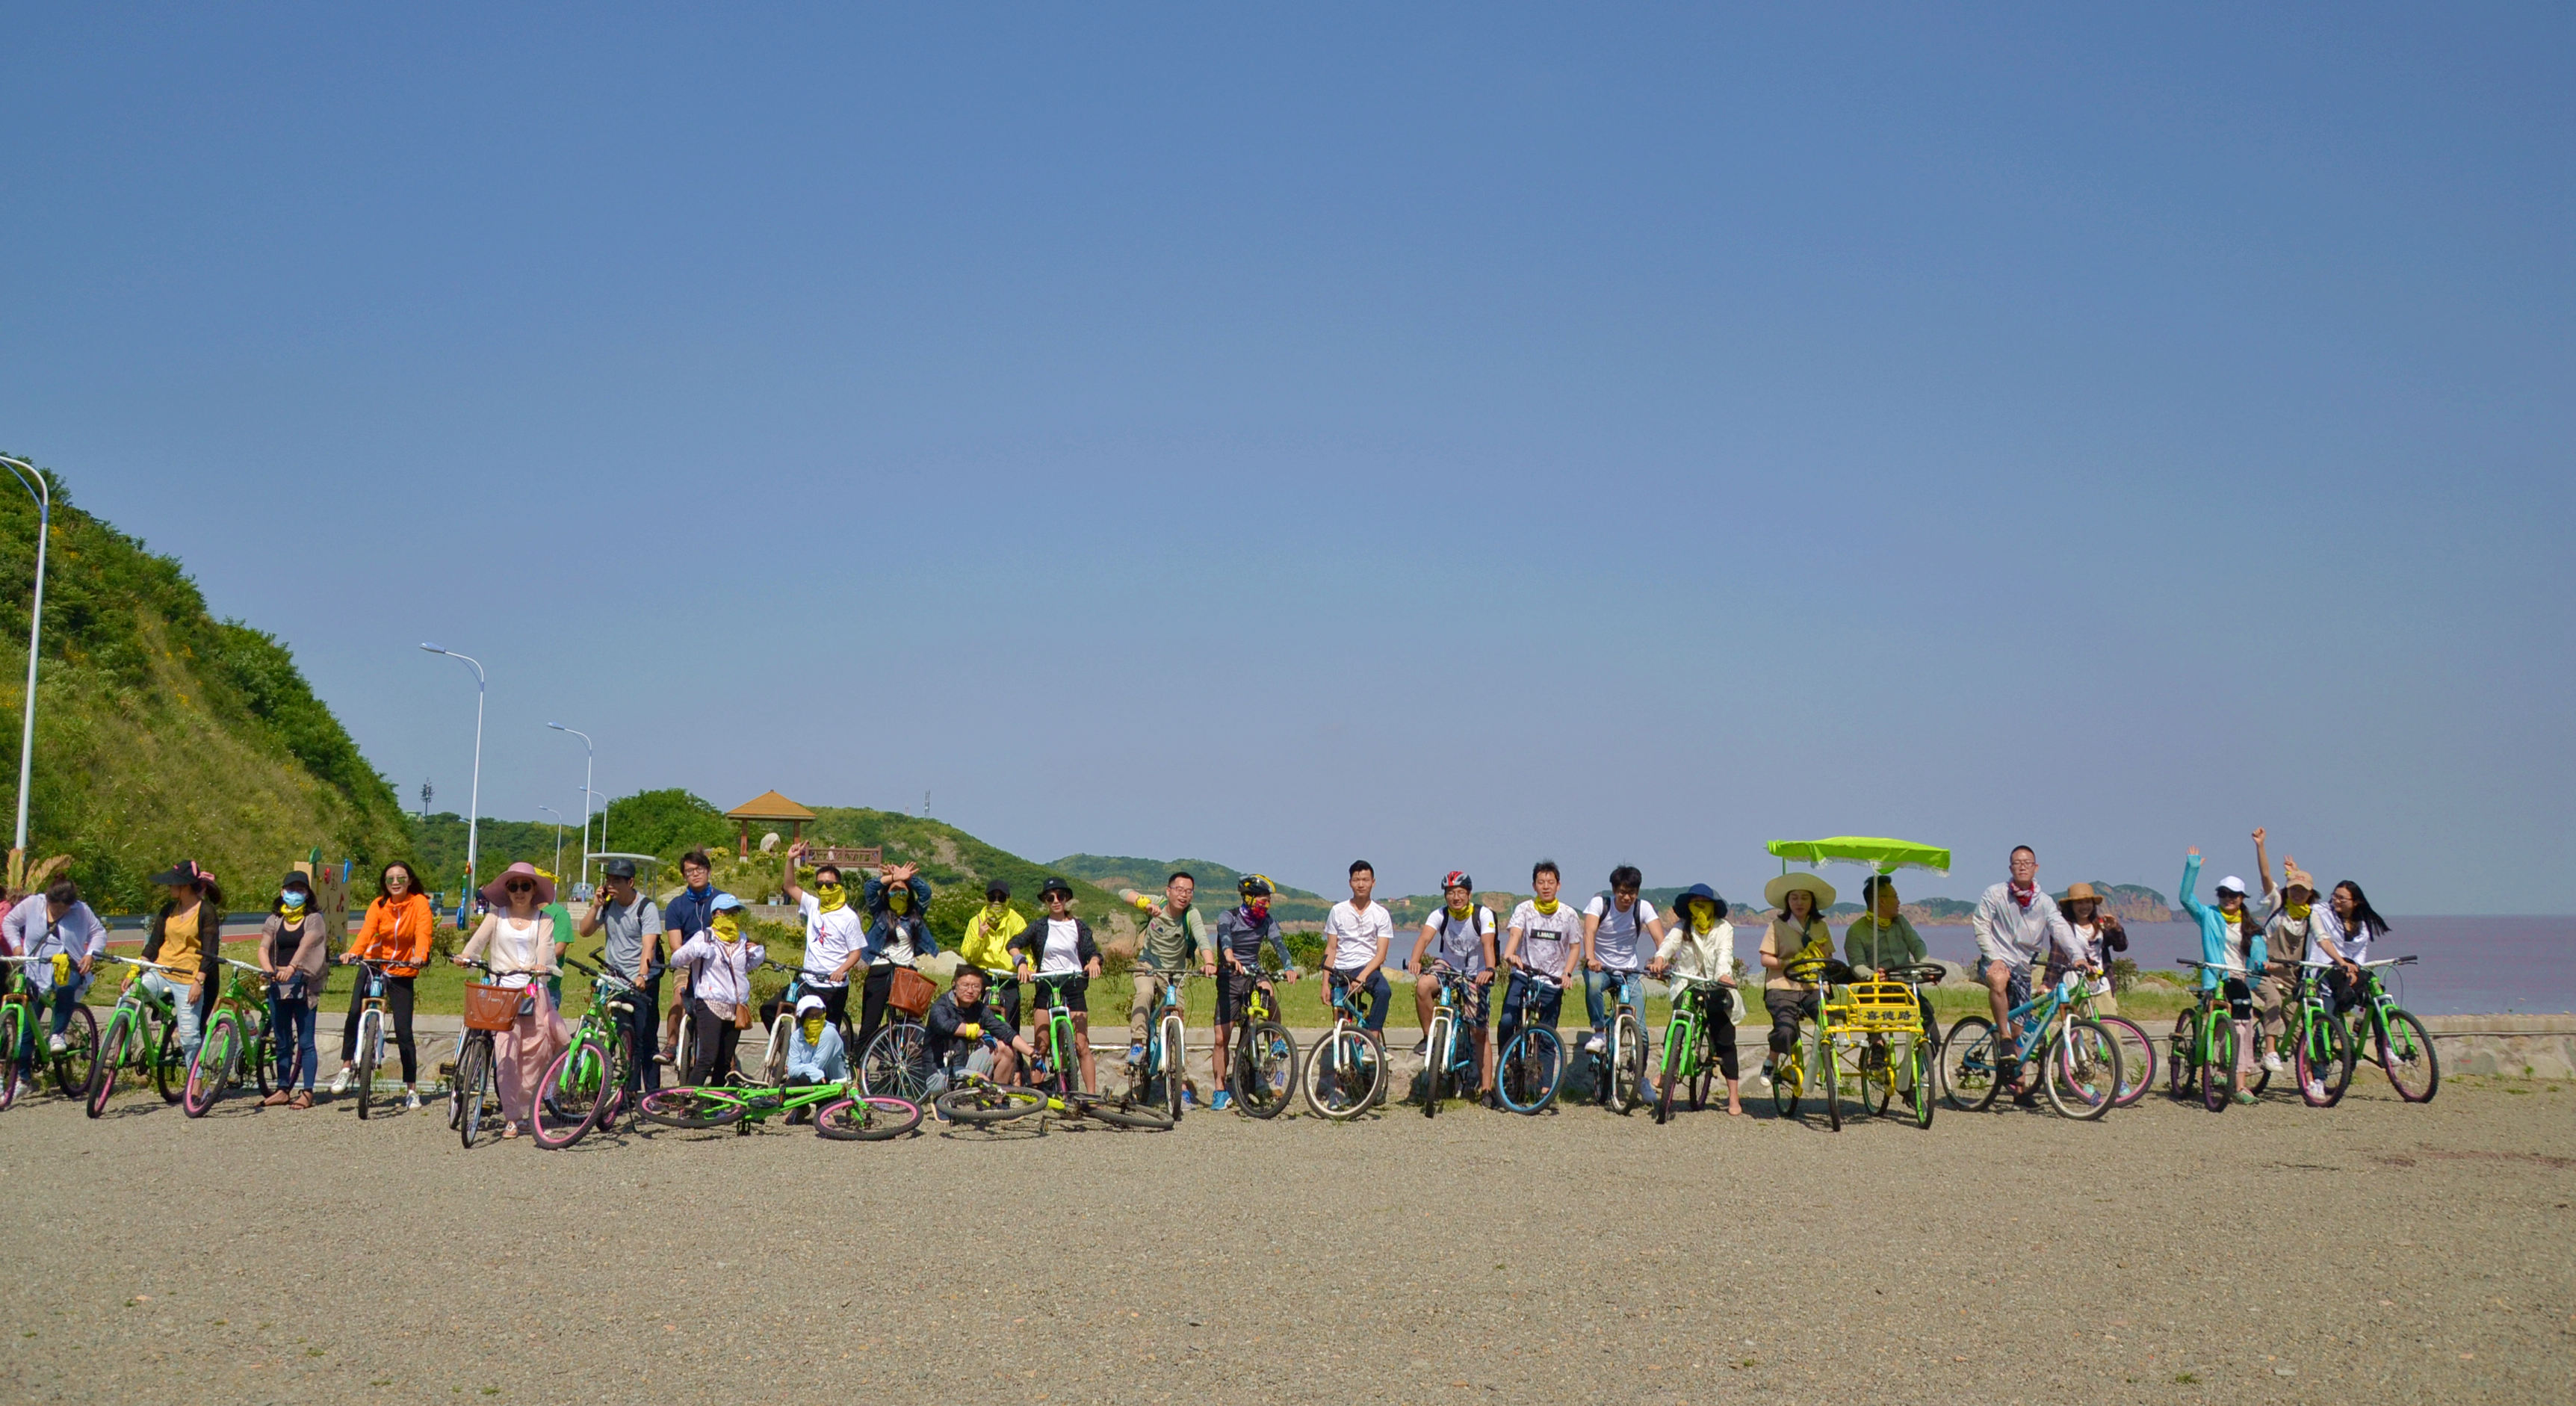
[{"x": 398, "y": 929}]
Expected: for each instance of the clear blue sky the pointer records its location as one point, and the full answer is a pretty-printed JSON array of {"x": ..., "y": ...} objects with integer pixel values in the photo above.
[{"x": 1448, "y": 436}]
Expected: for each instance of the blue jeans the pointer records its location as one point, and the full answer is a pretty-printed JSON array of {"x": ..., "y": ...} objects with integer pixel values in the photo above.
[
  {"x": 1597, "y": 1002},
  {"x": 290, "y": 1030},
  {"x": 1378, "y": 995},
  {"x": 643, "y": 1026},
  {"x": 64, "y": 996},
  {"x": 1549, "y": 1001}
]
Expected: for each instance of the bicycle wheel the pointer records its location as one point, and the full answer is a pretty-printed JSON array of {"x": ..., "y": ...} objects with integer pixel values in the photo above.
[
  {"x": 1344, "y": 1073},
  {"x": 2182, "y": 1069},
  {"x": 2321, "y": 1064},
  {"x": 2081, "y": 1069},
  {"x": 1877, "y": 1080},
  {"x": 2218, "y": 1073},
  {"x": 773, "y": 1056},
  {"x": 2263, "y": 1045},
  {"x": 1531, "y": 1068},
  {"x": 1175, "y": 1078},
  {"x": 1704, "y": 1060},
  {"x": 371, "y": 1045},
  {"x": 2407, "y": 1057},
  {"x": 1121, "y": 1112},
  {"x": 169, "y": 1071},
  {"x": 871, "y": 1119},
  {"x": 988, "y": 1103},
  {"x": 2137, "y": 1059},
  {"x": 1626, "y": 1081},
  {"x": 1970, "y": 1078},
  {"x": 212, "y": 1069},
  {"x": 1918, "y": 1090},
  {"x": 1788, "y": 1078},
  {"x": 111, "y": 1053},
  {"x": 473, "y": 1088},
  {"x": 1263, "y": 1075},
  {"x": 684, "y": 1050},
  {"x": 692, "y": 1106},
  {"x": 1435, "y": 1048},
  {"x": 17, "y": 1025},
  {"x": 575, "y": 1092},
  {"x": 72, "y": 1068},
  {"x": 1671, "y": 1071},
  {"x": 898, "y": 1063}
]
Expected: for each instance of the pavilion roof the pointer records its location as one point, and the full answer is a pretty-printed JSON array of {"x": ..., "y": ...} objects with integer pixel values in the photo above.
[{"x": 769, "y": 805}]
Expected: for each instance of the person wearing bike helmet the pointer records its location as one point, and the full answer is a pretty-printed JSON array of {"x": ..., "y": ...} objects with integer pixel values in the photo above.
[
  {"x": 1240, "y": 933},
  {"x": 1463, "y": 934},
  {"x": 1060, "y": 954}
]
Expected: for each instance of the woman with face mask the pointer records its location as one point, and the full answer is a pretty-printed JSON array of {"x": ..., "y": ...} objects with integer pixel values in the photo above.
[
  {"x": 815, "y": 1054},
  {"x": 2232, "y": 951},
  {"x": 294, "y": 950},
  {"x": 987, "y": 948},
  {"x": 1700, "y": 947},
  {"x": 898, "y": 936},
  {"x": 518, "y": 940},
  {"x": 719, "y": 960}
]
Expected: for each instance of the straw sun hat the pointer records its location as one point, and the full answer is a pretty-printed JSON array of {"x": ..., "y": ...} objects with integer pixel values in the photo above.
[{"x": 1776, "y": 892}]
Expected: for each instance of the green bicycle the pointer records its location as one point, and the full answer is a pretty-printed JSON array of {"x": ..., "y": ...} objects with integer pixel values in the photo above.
[
  {"x": 22, "y": 1017},
  {"x": 841, "y": 1111},
  {"x": 2319, "y": 1063},
  {"x": 974, "y": 1098},
  {"x": 1688, "y": 1059},
  {"x": 586, "y": 1085},
  {"x": 2203, "y": 1053},
  {"x": 142, "y": 1031},
  {"x": 2404, "y": 1046},
  {"x": 1059, "y": 1050},
  {"x": 238, "y": 1032}
]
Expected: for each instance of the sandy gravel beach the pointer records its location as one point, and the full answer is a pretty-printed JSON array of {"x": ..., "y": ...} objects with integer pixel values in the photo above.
[{"x": 2374, "y": 1252}]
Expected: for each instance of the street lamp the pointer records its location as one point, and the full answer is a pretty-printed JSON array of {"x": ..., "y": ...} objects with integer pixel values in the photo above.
[
  {"x": 474, "y": 792},
  {"x": 34, "y": 482},
  {"x": 589, "y": 755},
  {"x": 558, "y": 815},
  {"x": 603, "y": 815}
]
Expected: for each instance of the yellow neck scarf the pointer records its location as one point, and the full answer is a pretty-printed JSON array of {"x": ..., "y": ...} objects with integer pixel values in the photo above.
[{"x": 1546, "y": 907}]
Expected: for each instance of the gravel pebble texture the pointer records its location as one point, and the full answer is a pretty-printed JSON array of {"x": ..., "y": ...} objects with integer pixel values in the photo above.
[{"x": 2370, "y": 1253}]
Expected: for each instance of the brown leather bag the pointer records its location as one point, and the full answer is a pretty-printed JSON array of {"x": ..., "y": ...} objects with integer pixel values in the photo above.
[{"x": 910, "y": 992}]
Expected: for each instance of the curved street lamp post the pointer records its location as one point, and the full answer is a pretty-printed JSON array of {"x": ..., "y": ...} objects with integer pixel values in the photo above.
[
  {"x": 33, "y": 480},
  {"x": 474, "y": 793}
]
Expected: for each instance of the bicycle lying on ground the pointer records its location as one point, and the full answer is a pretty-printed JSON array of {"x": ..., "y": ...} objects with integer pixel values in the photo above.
[
  {"x": 974, "y": 1099},
  {"x": 841, "y": 1111}
]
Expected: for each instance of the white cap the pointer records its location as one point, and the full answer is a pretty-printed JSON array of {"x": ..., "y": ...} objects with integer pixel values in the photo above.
[
  {"x": 2232, "y": 882},
  {"x": 808, "y": 1003}
]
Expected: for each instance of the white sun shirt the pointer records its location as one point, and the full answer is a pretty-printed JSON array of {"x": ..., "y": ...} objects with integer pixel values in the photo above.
[
  {"x": 1615, "y": 941},
  {"x": 1063, "y": 951},
  {"x": 1356, "y": 936},
  {"x": 1548, "y": 940},
  {"x": 830, "y": 939}
]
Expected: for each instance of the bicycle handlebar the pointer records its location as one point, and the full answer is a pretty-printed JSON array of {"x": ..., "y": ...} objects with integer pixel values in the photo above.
[
  {"x": 2388, "y": 962},
  {"x": 137, "y": 962}
]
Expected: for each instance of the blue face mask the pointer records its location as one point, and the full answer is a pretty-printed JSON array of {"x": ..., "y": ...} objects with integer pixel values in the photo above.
[{"x": 291, "y": 899}]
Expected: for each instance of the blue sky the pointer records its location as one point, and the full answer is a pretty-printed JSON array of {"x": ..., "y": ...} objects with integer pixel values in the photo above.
[{"x": 1445, "y": 435}]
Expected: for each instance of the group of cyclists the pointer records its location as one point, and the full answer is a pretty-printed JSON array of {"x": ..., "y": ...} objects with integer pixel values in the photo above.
[{"x": 875, "y": 937}]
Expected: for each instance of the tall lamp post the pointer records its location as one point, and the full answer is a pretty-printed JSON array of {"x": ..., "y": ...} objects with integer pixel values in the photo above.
[
  {"x": 474, "y": 792},
  {"x": 33, "y": 480},
  {"x": 589, "y": 755},
  {"x": 558, "y": 815}
]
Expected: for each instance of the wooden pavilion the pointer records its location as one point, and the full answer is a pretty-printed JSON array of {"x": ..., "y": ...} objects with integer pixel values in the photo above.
[{"x": 768, "y": 807}]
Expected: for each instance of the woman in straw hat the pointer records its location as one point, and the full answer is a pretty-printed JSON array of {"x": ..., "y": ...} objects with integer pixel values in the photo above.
[
  {"x": 2097, "y": 931},
  {"x": 1797, "y": 930},
  {"x": 520, "y": 942}
]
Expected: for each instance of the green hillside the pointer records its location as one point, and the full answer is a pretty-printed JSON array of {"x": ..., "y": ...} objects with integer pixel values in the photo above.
[
  {"x": 1216, "y": 882},
  {"x": 162, "y": 732}
]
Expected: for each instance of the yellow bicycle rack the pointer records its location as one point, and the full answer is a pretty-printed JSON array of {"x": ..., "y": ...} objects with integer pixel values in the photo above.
[{"x": 1874, "y": 1008}]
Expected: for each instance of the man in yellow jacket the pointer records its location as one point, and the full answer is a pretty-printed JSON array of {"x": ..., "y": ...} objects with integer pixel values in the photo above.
[{"x": 987, "y": 945}]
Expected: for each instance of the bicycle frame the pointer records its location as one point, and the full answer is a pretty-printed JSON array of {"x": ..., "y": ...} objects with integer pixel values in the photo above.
[
  {"x": 242, "y": 1010},
  {"x": 1058, "y": 1058},
  {"x": 1167, "y": 1044}
]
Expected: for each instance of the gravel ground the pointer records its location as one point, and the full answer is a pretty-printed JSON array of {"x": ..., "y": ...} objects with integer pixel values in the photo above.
[{"x": 2370, "y": 1253}]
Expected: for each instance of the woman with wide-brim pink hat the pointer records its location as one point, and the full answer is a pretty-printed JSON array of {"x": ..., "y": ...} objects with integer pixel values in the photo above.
[{"x": 518, "y": 941}]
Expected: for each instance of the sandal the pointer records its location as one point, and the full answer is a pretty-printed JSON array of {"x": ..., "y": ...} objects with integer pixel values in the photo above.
[
  {"x": 303, "y": 1099},
  {"x": 276, "y": 1100},
  {"x": 508, "y": 1131}
]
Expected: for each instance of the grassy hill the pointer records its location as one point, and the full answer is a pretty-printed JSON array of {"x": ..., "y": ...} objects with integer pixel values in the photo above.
[
  {"x": 1216, "y": 882},
  {"x": 162, "y": 732}
]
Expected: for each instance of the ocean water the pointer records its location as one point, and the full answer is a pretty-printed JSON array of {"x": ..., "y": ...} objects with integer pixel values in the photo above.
[{"x": 2469, "y": 966}]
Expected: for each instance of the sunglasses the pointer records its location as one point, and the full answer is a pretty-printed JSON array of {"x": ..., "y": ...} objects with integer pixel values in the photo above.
[{"x": 518, "y": 886}]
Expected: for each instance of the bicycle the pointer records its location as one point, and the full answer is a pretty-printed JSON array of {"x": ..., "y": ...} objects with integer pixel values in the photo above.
[
  {"x": 239, "y": 1029},
  {"x": 1058, "y": 1061},
  {"x": 1346, "y": 1071},
  {"x": 373, "y": 1013},
  {"x": 1531, "y": 1066},
  {"x": 1791, "y": 1069},
  {"x": 2079, "y": 1060},
  {"x": 131, "y": 1025},
  {"x": 474, "y": 1096},
  {"x": 22, "y": 1017},
  {"x": 1165, "y": 1046},
  {"x": 1261, "y": 1068},
  {"x": 1688, "y": 1060},
  {"x": 841, "y": 1111},
  {"x": 2405, "y": 1047},
  {"x": 2320, "y": 1064},
  {"x": 586, "y": 1085},
  {"x": 1621, "y": 1068},
  {"x": 773, "y": 1060},
  {"x": 897, "y": 1062},
  {"x": 2137, "y": 1050},
  {"x": 975, "y": 1099},
  {"x": 1887, "y": 1011},
  {"x": 2203, "y": 1052},
  {"x": 1450, "y": 1056}
]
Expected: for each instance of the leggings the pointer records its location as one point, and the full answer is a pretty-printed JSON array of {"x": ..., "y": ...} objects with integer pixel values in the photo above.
[
  {"x": 716, "y": 1040},
  {"x": 1717, "y": 1015},
  {"x": 398, "y": 1007}
]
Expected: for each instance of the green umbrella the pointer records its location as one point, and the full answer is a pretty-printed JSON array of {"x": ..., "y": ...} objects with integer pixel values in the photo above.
[{"x": 1887, "y": 856}]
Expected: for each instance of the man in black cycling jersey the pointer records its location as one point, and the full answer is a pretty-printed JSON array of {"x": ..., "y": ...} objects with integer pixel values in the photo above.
[{"x": 1240, "y": 933}]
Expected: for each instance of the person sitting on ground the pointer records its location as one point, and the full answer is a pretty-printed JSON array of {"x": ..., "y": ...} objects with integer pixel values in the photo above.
[
  {"x": 63, "y": 940},
  {"x": 1699, "y": 946},
  {"x": 1798, "y": 935},
  {"x": 2232, "y": 951},
  {"x": 968, "y": 1031},
  {"x": 1060, "y": 956},
  {"x": 815, "y": 1054}
]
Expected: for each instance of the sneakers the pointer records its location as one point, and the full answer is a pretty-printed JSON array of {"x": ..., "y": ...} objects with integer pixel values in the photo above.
[
  {"x": 1594, "y": 1044},
  {"x": 56, "y": 1044},
  {"x": 1421, "y": 1047},
  {"x": 1221, "y": 1102},
  {"x": 2316, "y": 1090},
  {"x": 2272, "y": 1061},
  {"x": 2242, "y": 1097},
  {"x": 411, "y": 1098},
  {"x": 340, "y": 1082}
]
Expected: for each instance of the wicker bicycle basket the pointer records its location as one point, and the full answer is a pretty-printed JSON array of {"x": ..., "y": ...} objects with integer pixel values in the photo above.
[{"x": 491, "y": 1007}]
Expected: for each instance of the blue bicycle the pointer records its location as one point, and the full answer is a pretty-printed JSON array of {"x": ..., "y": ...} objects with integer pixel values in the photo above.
[
  {"x": 1346, "y": 1071},
  {"x": 1165, "y": 1045},
  {"x": 2078, "y": 1058}
]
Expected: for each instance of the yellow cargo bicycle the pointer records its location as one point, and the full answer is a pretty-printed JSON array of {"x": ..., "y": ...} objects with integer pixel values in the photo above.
[{"x": 1865, "y": 1032}]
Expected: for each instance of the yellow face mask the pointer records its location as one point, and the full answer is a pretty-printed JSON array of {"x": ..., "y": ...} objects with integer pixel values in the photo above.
[
  {"x": 900, "y": 901},
  {"x": 1703, "y": 915},
  {"x": 727, "y": 927},
  {"x": 996, "y": 914},
  {"x": 2299, "y": 912},
  {"x": 813, "y": 1028},
  {"x": 831, "y": 897}
]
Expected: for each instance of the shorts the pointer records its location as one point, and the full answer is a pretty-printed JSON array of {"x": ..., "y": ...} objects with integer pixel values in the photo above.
[
  {"x": 2016, "y": 986},
  {"x": 1474, "y": 1001},
  {"x": 1073, "y": 991},
  {"x": 1233, "y": 992}
]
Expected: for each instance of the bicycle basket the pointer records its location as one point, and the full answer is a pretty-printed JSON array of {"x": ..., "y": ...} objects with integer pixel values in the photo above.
[
  {"x": 1884, "y": 1007},
  {"x": 491, "y": 1007},
  {"x": 910, "y": 992}
]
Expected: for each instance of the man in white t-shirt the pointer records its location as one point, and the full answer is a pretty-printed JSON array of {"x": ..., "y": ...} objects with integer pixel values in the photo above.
[
  {"x": 835, "y": 931},
  {"x": 1539, "y": 948},
  {"x": 1357, "y": 934},
  {"x": 1620, "y": 932}
]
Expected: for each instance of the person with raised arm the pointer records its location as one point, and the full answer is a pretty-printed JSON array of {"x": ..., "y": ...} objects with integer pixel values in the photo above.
[
  {"x": 835, "y": 934},
  {"x": 2232, "y": 952},
  {"x": 898, "y": 935}
]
